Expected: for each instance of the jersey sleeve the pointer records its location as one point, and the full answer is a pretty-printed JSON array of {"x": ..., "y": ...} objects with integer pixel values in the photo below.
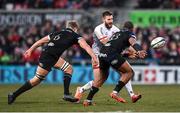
[
  {"x": 76, "y": 36},
  {"x": 116, "y": 29},
  {"x": 52, "y": 35},
  {"x": 132, "y": 35},
  {"x": 98, "y": 32}
]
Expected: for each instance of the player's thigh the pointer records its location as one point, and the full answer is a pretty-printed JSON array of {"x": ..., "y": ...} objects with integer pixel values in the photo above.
[
  {"x": 101, "y": 74},
  {"x": 39, "y": 76},
  {"x": 104, "y": 73},
  {"x": 41, "y": 71},
  {"x": 94, "y": 65},
  {"x": 103, "y": 69},
  {"x": 59, "y": 63},
  {"x": 47, "y": 60},
  {"x": 64, "y": 66},
  {"x": 125, "y": 68},
  {"x": 101, "y": 78},
  {"x": 120, "y": 64}
]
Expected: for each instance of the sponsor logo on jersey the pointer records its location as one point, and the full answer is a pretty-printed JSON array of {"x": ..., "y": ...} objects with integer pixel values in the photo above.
[
  {"x": 114, "y": 62},
  {"x": 102, "y": 55},
  {"x": 107, "y": 44},
  {"x": 51, "y": 44}
]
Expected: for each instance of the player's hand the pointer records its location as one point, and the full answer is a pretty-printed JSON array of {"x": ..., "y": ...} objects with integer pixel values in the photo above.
[
  {"x": 104, "y": 39},
  {"x": 142, "y": 54},
  {"x": 95, "y": 62},
  {"x": 28, "y": 53},
  {"x": 132, "y": 55}
]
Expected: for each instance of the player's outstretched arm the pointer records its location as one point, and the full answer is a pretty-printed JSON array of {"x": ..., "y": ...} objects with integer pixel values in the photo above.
[
  {"x": 35, "y": 45},
  {"x": 130, "y": 53},
  {"x": 141, "y": 53},
  {"x": 88, "y": 49}
]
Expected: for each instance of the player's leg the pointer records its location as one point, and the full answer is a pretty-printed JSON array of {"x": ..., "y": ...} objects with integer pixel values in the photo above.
[
  {"x": 68, "y": 70},
  {"x": 134, "y": 97},
  {"x": 98, "y": 82},
  {"x": 129, "y": 88},
  {"x": 39, "y": 76},
  {"x": 88, "y": 85},
  {"x": 124, "y": 68}
]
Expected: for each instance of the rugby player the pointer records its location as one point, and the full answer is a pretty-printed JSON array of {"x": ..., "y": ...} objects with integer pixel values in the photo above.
[
  {"x": 102, "y": 33},
  {"x": 57, "y": 43},
  {"x": 109, "y": 56}
]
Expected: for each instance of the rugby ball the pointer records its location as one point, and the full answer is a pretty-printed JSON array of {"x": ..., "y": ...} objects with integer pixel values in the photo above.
[{"x": 158, "y": 42}]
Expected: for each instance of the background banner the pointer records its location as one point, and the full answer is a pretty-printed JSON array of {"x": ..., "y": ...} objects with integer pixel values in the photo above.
[
  {"x": 36, "y": 17},
  {"x": 83, "y": 74},
  {"x": 158, "y": 18}
]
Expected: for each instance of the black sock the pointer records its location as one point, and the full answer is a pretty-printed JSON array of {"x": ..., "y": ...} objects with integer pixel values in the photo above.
[
  {"x": 119, "y": 86},
  {"x": 22, "y": 89},
  {"x": 92, "y": 92},
  {"x": 67, "y": 81}
]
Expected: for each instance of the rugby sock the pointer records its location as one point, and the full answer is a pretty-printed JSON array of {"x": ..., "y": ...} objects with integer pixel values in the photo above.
[
  {"x": 119, "y": 86},
  {"x": 129, "y": 88},
  {"x": 92, "y": 92},
  {"x": 22, "y": 89},
  {"x": 86, "y": 87},
  {"x": 67, "y": 81}
]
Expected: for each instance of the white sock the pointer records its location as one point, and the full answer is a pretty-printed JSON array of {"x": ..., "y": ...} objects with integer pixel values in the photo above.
[
  {"x": 129, "y": 88},
  {"x": 86, "y": 87},
  {"x": 115, "y": 92}
]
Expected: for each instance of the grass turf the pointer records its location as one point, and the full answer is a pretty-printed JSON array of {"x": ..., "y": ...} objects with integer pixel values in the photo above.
[{"x": 43, "y": 98}]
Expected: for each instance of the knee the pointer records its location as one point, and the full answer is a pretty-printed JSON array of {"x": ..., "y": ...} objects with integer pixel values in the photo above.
[
  {"x": 69, "y": 69},
  {"x": 131, "y": 73},
  {"x": 37, "y": 79},
  {"x": 66, "y": 68},
  {"x": 98, "y": 83},
  {"x": 34, "y": 81}
]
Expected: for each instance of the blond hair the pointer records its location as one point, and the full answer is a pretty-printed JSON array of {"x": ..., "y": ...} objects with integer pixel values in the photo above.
[{"x": 72, "y": 24}]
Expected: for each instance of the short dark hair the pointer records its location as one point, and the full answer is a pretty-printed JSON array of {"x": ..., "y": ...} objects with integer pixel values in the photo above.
[
  {"x": 72, "y": 24},
  {"x": 106, "y": 13},
  {"x": 128, "y": 25}
]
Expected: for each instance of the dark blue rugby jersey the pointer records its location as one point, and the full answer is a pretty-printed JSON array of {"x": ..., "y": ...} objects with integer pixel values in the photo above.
[
  {"x": 118, "y": 42},
  {"x": 62, "y": 40}
]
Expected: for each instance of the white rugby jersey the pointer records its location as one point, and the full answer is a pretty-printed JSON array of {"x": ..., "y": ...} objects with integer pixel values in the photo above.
[{"x": 99, "y": 32}]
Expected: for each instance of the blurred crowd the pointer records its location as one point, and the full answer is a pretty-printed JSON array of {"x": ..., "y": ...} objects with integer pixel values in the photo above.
[
  {"x": 58, "y": 4},
  {"x": 85, "y": 4},
  {"x": 15, "y": 40},
  {"x": 170, "y": 54},
  {"x": 161, "y": 4}
]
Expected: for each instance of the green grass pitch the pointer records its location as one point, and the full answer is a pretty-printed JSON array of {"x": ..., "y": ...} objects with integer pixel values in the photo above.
[{"x": 43, "y": 98}]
